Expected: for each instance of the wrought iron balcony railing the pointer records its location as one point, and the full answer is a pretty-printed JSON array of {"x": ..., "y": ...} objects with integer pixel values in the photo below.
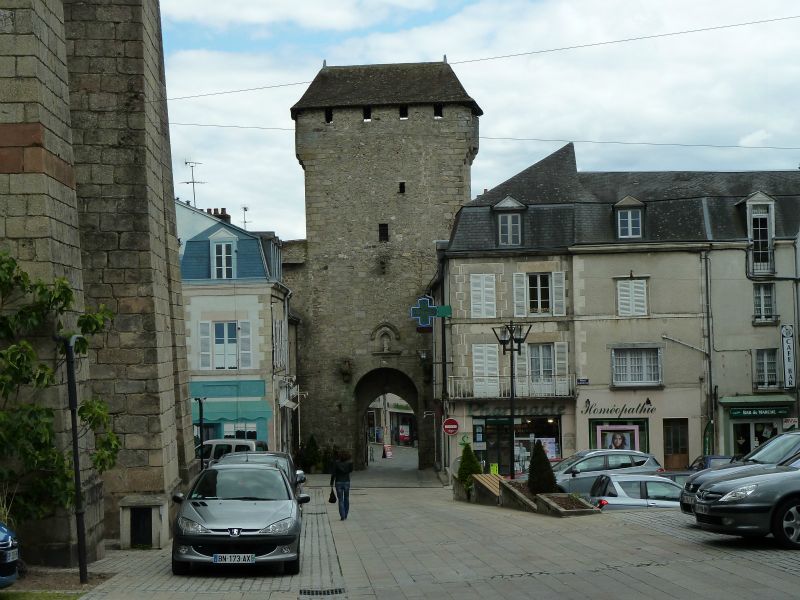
[
  {"x": 761, "y": 261},
  {"x": 500, "y": 387}
]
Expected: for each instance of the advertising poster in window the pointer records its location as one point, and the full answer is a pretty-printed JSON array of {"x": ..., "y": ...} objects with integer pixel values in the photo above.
[
  {"x": 618, "y": 437},
  {"x": 405, "y": 433},
  {"x": 550, "y": 447}
]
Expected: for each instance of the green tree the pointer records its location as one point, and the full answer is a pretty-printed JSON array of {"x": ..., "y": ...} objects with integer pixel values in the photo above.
[
  {"x": 541, "y": 479},
  {"x": 35, "y": 469},
  {"x": 469, "y": 466}
]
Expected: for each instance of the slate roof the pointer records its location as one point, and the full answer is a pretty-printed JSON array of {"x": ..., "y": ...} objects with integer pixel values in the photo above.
[
  {"x": 567, "y": 208},
  {"x": 391, "y": 84}
]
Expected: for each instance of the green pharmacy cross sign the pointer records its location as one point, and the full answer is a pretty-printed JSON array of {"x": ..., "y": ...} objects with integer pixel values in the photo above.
[{"x": 424, "y": 311}]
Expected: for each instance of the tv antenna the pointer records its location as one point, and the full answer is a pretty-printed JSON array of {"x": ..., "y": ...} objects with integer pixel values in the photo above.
[
  {"x": 193, "y": 181},
  {"x": 244, "y": 216}
]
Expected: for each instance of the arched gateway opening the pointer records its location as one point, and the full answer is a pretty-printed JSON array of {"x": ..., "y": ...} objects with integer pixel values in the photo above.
[{"x": 381, "y": 396}]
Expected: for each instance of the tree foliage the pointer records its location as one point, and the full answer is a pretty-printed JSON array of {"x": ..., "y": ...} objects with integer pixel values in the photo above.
[
  {"x": 469, "y": 466},
  {"x": 35, "y": 465},
  {"x": 541, "y": 479}
]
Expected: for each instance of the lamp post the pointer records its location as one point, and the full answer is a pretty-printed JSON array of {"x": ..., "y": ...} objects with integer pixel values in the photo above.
[
  {"x": 511, "y": 337},
  {"x": 202, "y": 432}
]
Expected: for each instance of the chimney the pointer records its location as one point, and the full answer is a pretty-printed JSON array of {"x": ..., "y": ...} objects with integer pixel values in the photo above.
[{"x": 224, "y": 216}]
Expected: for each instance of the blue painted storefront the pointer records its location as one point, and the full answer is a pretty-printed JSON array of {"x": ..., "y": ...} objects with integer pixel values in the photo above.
[{"x": 232, "y": 401}]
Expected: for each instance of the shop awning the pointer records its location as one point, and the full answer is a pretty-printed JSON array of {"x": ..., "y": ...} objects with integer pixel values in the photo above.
[
  {"x": 232, "y": 410},
  {"x": 759, "y": 400}
]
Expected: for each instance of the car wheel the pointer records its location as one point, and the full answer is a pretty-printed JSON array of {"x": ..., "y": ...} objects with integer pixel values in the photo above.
[
  {"x": 786, "y": 523},
  {"x": 292, "y": 567},
  {"x": 180, "y": 568}
]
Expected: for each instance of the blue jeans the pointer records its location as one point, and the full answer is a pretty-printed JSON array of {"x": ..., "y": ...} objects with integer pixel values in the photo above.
[{"x": 343, "y": 496}]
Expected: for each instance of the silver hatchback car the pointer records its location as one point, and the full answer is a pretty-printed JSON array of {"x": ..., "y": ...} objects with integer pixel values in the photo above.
[
  {"x": 578, "y": 472},
  {"x": 618, "y": 492}
]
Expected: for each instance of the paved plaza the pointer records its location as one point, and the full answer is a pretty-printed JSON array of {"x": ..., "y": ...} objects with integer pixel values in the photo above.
[{"x": 406, "y": 538}]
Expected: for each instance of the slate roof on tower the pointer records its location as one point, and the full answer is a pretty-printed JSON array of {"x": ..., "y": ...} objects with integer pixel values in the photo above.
[{"x": 391, "y": 84}]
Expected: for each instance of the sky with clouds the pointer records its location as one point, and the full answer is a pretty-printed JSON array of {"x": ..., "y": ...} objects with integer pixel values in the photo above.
[{"x": 735, "y": 86}]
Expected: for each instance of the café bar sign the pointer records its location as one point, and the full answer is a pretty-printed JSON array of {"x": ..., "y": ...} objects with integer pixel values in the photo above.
[
  {"x": 772, "y": 411},
  {"x": 787, "y": 344}
]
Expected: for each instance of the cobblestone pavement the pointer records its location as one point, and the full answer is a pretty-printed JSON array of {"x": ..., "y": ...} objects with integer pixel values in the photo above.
[{"x": 416, "y": 542}]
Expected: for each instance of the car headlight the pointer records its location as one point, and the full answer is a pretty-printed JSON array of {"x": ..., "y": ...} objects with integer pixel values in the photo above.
[
  {"x": 279, "y": 527},
  {"x": 739, "y": 493},
  {"x": 190, "y": 527}
]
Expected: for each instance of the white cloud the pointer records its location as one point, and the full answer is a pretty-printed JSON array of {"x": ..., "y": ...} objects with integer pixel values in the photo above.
[{"x": 732, "y": 86}]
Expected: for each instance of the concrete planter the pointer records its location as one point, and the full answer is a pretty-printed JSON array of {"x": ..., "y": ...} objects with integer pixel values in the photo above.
[
  {"x": 547, "y": 505},
  {"x": 460, "y": 492},
  {"x": 512, "y": 498}
]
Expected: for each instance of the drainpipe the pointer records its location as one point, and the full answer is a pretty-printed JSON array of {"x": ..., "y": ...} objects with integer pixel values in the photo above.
[{"x": 711, "y": 391}]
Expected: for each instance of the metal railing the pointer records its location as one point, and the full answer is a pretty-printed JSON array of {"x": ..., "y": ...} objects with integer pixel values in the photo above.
[
  {"x": 500, "y": 387},
  {"x": 761, "y": 262}
]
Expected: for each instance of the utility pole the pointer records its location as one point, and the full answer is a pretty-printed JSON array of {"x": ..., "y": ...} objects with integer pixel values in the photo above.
[
  {"x": 192, "y": 165},
  {"x": 244, "y": 217}
]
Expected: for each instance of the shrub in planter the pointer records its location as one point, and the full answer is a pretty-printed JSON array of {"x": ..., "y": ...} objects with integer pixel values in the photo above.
[
  {"x": 541, "y": 479},
  {"x": 469, "y": 467}
]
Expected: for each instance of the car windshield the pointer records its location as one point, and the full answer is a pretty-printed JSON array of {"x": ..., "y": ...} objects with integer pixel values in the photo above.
[
  {"x": 775, "y": 450},
  {"x": 567, "y": 462},
  {"x": 240, "y": 484}
]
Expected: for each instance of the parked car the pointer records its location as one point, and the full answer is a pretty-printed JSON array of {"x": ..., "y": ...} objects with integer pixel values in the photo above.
[
  {"x": 214, "y": 449},
  {"x": 770, "y": 453},
  {"x": 704, "y": 461},
  {"x": 282, "y": 460},
  {"x": 614, "y": 492},
  {"x": 578, "y": 472},
  {"x": 754, "y": 503},
  {"x": 9, "y": 556},
  {"x": 238, "y": 514}
]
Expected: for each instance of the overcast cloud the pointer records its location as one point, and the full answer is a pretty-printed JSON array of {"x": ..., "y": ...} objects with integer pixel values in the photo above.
[{"x": 725, "y": 87}]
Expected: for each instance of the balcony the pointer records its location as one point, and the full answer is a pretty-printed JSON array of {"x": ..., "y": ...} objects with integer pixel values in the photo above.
[
  {"x": 500, "y": 387},
  {"x": 771, "y": 384},
  {"x": 761, "y": 261}
]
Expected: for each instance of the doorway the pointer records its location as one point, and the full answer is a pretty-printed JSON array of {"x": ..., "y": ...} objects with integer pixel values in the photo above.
[
  {"x": 747, "y": 436},
  {"x": 676, "y": 444}
]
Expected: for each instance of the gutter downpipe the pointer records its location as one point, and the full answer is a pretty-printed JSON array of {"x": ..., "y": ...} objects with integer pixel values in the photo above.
[{"x": 711, "y": 390}]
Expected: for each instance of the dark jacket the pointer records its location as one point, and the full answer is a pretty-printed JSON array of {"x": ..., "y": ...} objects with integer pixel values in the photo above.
[{"x": 341, "y": 471}]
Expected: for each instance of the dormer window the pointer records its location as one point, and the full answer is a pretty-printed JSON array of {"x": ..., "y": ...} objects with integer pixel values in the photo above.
[
  {"x": 510, "y": 229},
  {"x": 760, "y": 233},
  {"x": 222, "y": 256},
  {"x": 629, "y": 216},
  {"x": 509, "y": 221}
]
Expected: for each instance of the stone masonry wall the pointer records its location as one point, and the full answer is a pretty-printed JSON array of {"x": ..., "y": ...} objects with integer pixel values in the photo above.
[
  {"x": 39, "y": 221},
  {"x": 352, "y": 287},
  {"x": 127, "y": 220}
]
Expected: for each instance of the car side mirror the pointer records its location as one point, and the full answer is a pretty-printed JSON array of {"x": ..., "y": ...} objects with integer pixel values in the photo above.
[
  {"x": 574, "y": 472},
  {"x": 300, "y": 476},
  {"x": 303, "y": 498},
  {"x": 178, "y": 497}
]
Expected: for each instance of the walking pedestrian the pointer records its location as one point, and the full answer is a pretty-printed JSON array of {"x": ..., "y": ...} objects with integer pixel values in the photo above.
[{"x": 340, "y": 476}]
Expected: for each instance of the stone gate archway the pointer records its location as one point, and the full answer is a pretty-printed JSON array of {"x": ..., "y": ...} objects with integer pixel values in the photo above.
[{"x": 391, "y": 381}]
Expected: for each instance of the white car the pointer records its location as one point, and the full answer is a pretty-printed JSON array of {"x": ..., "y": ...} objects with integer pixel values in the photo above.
[{"x": 614, "y": 492}]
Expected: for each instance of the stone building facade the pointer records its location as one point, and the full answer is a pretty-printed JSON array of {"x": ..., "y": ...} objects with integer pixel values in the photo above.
[
  {"x": 387, "y": 152},
  {"x": 86, "y": 193}
]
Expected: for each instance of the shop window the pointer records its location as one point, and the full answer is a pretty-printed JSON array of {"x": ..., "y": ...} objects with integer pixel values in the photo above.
[{"x": 635, "y": 432}]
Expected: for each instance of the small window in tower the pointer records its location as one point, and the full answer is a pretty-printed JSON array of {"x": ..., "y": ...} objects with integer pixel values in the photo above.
[
  {"x": 367, "y": 114},
  {"x": 438, "y": 111},
  {"x": 383, "y": 232},
  {"x": 404, "y": 112},
  {"x": 328, "y": 115},
  {"x": 401, "y": 189}
]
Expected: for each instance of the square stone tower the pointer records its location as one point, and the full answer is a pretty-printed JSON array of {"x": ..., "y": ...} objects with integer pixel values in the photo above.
[{"x": 387, "y": 152}]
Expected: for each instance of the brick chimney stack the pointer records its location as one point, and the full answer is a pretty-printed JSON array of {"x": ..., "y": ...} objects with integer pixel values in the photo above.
[{"x": 220, "y": 213}]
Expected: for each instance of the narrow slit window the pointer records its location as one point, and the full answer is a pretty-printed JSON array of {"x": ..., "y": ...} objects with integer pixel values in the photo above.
[
  {"x": 367, "y": 114},
  {"x": 383, "y": 232},
  {"x": 328, "y": 115},
  {"x": 404, "y": 112},
  {"x": 438, "y": 111},
  {"x": 401, "y": 187}
]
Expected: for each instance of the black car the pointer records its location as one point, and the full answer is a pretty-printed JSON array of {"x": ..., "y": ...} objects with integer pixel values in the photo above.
[{"x": 770, "y": 453}]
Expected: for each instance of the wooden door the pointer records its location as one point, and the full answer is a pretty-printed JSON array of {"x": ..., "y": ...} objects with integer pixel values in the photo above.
[{"x": 676, "y": 443}]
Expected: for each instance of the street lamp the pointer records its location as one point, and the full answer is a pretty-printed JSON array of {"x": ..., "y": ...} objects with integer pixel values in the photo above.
[{"x": 511, "y": 337}]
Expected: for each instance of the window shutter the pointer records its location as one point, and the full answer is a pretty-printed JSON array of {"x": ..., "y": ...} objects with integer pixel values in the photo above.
[
  {"x": 639, "y": 304},
  {"x": 623, "y": 298},
  {"x": 520, "y": 295},
  {"x": 521, "y": 364},
  {"x": 489, "y": 303},
  {"x": 484, "y": 370},
  {"x": 245, "y": 353},
  {"x": 476, "y": 296},
  {"x": 205, "y": 344},
  {"x": 561, "y": 369},
  {"x": 559, "y": 286}
]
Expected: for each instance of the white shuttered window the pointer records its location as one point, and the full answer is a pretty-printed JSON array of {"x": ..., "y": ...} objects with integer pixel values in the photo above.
[
  {"x": 482, "y": 296},
  {"x": 540, "y": 294},
  {"x": 485, "y": 370},
  {"x": 631, "y": 297}
]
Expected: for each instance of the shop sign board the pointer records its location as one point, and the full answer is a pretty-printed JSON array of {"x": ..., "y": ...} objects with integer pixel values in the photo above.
[
  {"x": 450, "y": 426},
  {"x": 787, "y": 343},
  {"x": 771, "y": 411},
  {"x": 789, "y": 423}
]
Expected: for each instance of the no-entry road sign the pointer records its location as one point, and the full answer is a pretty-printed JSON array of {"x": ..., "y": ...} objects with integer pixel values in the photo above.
[{"x": 450, "y": 426}]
